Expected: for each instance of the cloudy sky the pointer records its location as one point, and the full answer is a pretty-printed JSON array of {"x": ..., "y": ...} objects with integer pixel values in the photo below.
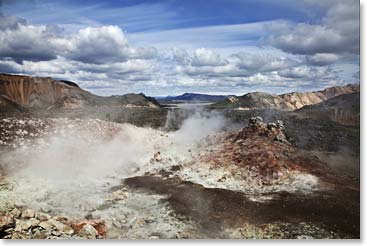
[{"x": 175, "y": 46}]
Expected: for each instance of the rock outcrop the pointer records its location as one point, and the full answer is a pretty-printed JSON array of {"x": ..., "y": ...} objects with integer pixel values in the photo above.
[
  {"x": 40, "y": 93},
  {"x": 260, "y": 159},
  {"x": 21, "y": 93},
  {"x": 27, "y": 224},
  {"x": 256, "y": 126}
]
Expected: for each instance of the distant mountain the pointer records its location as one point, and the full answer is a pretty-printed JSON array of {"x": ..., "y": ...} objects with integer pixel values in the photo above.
[
  {"x": 254, "y": 100},
  {"x": 288, "y": 101},
  {"x": 22, "y": 93},
  {"x": 192, "y": 97}
]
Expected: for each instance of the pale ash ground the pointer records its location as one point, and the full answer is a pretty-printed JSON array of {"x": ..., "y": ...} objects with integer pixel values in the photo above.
[{"x": 70, "y": 167}]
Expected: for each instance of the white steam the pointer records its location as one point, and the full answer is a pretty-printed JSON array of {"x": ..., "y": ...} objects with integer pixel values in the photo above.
[
  {"x": 72, "y": 169},
  {"x": 197, "y": 126}
]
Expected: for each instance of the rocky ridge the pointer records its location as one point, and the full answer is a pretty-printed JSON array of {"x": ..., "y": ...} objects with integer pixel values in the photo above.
[
  {"x": 288, "y": 101},
  {"x": 23, "y": 93}
]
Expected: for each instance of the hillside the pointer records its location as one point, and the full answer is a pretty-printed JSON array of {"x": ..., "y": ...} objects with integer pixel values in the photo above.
[
  {"x": 288, "y": 101},
  {"x": 344, "y": 109},
  {"x": 300, "y": 99},
  {"x": 252, "y": 101},
  {"x": 25, "y": 93}
]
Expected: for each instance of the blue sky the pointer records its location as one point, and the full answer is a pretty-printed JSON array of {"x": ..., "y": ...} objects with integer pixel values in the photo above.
[
  {"x": 137, "y": 16},
  {"x": 170, "y": 47}
]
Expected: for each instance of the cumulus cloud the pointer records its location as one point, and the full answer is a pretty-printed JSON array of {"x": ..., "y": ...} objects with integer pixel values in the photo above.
[
  {"x": 101, "y": 45},
  {"x": 207, "y": 63},
  {"x": 92, "y": 56},
  {"x": 337, "y": 33},
  {"x": 218, "y": 71},
  {"x": 103, "y": 59},
  {"x": 27, "y": 42},
  {"x": 206, "y": 57},
  {"x": 262, "y": 62},
  {"x": 321, "y": 59},
  {"x": 96, "y": 45},
  {"x": 261, "y": 70},
  {"x": 306, "y": 72}
]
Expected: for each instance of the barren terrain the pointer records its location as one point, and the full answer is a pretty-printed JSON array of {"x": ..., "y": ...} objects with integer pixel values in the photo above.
[{"x": 64, "y": 178}]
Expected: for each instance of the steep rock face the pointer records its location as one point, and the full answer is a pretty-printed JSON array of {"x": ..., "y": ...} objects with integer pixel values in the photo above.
[
  {"x": 19, "y": 92},
  {"x": 288, "y": 101},
  {"x": 297, "y": 100},
  {"x": 30, "y": 93}
]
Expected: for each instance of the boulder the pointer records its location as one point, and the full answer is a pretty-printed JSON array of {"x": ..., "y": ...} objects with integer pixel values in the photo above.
[
  {"x": 34, "y": 222},
  {"x": 45, "y": 225},
  {"x": 255, "y": 120},
  {"x": 6, "y": 221},
  {"x": 28, "y": 213},
  {"x": 88, "y": 231},
  {"x": 280, "y": 124},
  {"x": 23, "y": 225},
  {"x": 56, "y": 224},
  {"x": 119, "y": 195},
  {"x": 42, "y": 216},
  {"x": 99, "y": 225},
  {"x": 15, "y": 213}
]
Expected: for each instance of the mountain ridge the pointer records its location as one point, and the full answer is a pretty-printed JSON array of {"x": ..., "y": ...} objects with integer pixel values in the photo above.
[
  {"x": 287, "y": 101},
  {"x": 22, "y": 93}
]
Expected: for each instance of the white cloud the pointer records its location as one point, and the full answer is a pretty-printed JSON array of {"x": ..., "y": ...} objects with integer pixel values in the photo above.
[
  {"x": 98, "y": 45},
  {"x": 262, "y": 61},
  {"x": 224, "y": 58},
  {"x": 27, "y": 42},
  {"x": 323, "y": 58},
  {"x": 306, "y": 72},
  {"x": 206, "y": 57},
  {"x": 337, "y": 33},
  {"x": 219, "y": 71},
  {"x": 102, "y": 45},
  {"x": 208, "y": 63}
]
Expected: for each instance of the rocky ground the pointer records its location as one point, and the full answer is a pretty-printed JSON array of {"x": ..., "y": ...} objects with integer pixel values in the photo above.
[{"x": 87, "y": 178}]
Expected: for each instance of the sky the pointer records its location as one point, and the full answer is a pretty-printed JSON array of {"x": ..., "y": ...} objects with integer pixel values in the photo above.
[{"x": 169, "y": 47}]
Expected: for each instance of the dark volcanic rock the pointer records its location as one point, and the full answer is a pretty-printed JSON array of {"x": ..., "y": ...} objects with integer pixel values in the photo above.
[
  {"x": 344, "y": 109},
  {"x": 216, "y": 209}
]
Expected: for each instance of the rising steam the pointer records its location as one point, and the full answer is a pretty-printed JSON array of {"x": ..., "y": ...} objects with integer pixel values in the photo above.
[{"x": 73, "y": 168}]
